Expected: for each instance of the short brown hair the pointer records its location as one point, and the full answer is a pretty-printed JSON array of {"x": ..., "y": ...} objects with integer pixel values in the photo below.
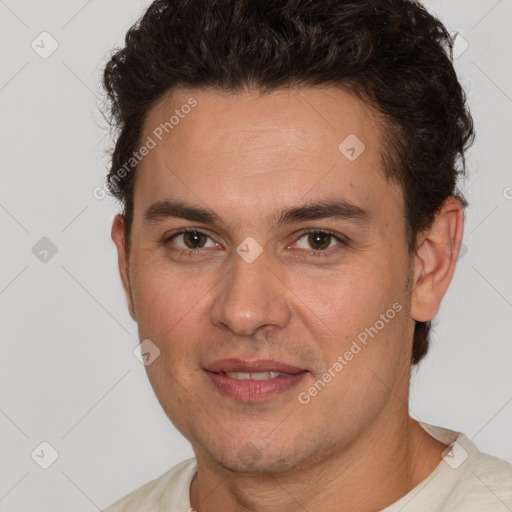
[{"x": 392, "y": 53}]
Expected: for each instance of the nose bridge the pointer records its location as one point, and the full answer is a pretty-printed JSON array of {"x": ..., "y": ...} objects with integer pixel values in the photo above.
[{"x": 251, "y": 296}]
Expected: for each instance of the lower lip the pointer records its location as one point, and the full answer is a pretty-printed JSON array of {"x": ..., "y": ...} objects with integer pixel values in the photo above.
[{"x": 254, "y": 390}]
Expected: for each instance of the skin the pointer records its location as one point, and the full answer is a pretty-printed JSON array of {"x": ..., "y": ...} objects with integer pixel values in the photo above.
[{"x": 247, "y": 157}]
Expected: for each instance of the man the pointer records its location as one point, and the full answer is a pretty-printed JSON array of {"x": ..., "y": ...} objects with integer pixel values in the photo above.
[{"x": 290, "y": 225}]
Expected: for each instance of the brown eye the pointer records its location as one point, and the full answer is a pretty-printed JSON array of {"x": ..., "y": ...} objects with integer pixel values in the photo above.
[
  {"x": 190, "y": 241},
  {"x": 194, "y": 240},
  {"x": 319, "y": 241}
]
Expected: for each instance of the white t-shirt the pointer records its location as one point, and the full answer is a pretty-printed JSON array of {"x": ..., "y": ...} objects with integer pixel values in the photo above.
[{"x": 466, "y": 480}]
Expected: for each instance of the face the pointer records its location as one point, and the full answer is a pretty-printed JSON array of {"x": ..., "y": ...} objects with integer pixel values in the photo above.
[{"x": 269, "y": 266}]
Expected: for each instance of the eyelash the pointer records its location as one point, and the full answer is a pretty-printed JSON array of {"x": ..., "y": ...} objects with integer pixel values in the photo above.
[{"x": 322, "y": 253}]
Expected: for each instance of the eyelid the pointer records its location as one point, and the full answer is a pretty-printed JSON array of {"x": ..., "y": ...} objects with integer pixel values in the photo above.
[
  {"x": 168, "y": 237},
  {"x": 342, "y": 240},
  {"x": 337, "y": 236}
]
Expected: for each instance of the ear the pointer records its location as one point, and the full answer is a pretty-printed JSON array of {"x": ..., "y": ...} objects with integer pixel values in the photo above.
[
  {"x": 118, "y": 236},
  {"x": 435, "y": 260}
]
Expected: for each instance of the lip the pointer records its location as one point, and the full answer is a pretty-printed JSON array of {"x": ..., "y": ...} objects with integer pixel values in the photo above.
[
  {"x": 260, "y": 365},
  {"x": 253, "y": 390}
]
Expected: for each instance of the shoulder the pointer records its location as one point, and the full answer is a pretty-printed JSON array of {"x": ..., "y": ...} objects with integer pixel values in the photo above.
[
  {"x": 485, "y": 481},
  {"x": 173, "y": 485},
  {"x": 466, "y": 479}
]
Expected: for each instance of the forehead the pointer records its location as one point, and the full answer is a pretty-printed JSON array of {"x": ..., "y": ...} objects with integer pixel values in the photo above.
[
  {"x": 269, "y": 149},
  {"x": 307, "y": 119}
]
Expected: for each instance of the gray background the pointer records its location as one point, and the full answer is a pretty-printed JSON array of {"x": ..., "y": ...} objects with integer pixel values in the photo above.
[{"x": 69, "y": 375}]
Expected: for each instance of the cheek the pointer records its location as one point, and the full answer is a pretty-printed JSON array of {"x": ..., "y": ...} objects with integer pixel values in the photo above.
[
  {"x": 346, "y": 298},
  {"x": 167, "y": 302},
  {"x": 363, "y": 311}
]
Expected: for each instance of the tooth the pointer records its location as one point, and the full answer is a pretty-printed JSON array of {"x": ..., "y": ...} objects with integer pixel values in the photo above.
[
  {"x": 239, "y": 375},
  {"x": 253, "y": 376},
  {"x": 264, "y": 375}
]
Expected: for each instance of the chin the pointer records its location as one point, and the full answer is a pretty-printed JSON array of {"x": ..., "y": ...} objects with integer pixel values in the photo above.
[
  {"x": 250, "y": 459},
  {"x": 257, "y": 467}
]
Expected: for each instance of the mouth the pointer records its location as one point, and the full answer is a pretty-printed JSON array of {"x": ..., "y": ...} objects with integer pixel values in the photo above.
[
  {"x": 255, "y": 376},
  {"x": 253, "y": 381}
]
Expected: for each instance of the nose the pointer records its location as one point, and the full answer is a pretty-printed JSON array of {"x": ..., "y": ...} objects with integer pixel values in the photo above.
[{"x": 250, "y": 297}]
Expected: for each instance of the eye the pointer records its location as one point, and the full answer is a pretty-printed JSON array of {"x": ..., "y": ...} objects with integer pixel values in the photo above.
[
  {"x": 191, "y": 239},
  {"x": 319, "y": 240}
]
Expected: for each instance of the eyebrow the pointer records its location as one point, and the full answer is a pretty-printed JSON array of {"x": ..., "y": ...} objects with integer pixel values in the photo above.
[{"x": 317, "y": 210}]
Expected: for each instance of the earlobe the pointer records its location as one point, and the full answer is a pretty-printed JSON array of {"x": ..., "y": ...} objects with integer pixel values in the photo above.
[
  {"x": 118, "y": 236},
  {"x": 435, "y": 260}
]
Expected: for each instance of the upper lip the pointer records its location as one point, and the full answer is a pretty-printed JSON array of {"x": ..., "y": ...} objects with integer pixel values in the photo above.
[{"x": 259, "y": 365}]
